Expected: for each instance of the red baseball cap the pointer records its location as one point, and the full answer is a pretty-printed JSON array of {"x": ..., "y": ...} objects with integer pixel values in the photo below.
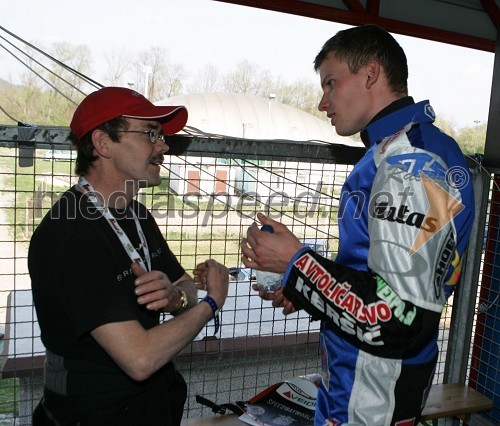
[{"x": 112, "y": 102}]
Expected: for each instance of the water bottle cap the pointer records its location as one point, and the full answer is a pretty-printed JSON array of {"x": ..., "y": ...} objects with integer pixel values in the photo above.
[{"x": 267, "y": 228}]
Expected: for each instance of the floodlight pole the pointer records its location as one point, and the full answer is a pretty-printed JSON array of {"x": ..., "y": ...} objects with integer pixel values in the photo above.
[{"x": 271, "y": 97}]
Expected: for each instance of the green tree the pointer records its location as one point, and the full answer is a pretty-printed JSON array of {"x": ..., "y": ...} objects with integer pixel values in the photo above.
[
  {"x": 118, "y": 64},
  {"x": 50, "y": 92},
  {"x": 446, "y": 125},
  {"x": 207, "y": 80},
  {"x": 164, "y": 79},
  {"x": 302, "y": 94},
  {"x": 472, "y": 138},
  {"x": 247, "y": 78}
]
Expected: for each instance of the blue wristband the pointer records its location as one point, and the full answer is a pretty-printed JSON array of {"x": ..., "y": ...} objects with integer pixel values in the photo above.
[{"x": 215, "y": 311}]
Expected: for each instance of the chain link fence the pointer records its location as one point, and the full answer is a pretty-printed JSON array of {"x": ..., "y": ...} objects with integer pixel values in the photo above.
[{"x": 210, "y": 193}]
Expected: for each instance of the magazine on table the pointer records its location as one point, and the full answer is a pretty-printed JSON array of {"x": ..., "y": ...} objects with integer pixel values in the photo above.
[{"x": 288, "y": 403}]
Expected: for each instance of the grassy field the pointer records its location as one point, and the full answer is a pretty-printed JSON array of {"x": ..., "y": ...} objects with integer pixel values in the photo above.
[
  {"x": 30, "y": 191},
  {"x": 9, "y": 394},
  {"x": 23, "y": 190}
]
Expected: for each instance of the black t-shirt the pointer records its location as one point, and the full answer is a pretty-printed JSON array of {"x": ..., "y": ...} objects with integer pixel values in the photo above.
[{"x": 81, "y": 279}]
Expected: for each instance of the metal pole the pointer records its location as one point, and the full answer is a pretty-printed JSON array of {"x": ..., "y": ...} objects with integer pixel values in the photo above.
[{"x": 464, "y": 304}]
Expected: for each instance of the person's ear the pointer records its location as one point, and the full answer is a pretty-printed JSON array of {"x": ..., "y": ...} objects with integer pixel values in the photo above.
[
  {"x": 101, "y": 142},
  {"x": 372, "y": 73}
]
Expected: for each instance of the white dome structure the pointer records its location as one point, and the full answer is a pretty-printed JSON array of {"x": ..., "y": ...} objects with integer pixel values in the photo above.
[{"x": 253, "y": 117}]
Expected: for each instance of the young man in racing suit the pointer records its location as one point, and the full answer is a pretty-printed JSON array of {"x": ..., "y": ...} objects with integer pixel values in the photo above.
[{"x": 405, "y": 216}]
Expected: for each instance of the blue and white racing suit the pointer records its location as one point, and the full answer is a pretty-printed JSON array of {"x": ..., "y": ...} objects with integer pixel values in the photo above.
[{"x": 405, "y": 216}]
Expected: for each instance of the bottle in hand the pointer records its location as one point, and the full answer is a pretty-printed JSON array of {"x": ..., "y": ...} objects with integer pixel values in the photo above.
[{"x": 268, "y": 281}]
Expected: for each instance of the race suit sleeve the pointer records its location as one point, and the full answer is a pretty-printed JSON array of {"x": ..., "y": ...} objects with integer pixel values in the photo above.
[{"x": 414, "y": 257}]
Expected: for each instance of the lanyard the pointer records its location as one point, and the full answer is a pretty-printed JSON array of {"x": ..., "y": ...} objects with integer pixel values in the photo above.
[{"x": 85, "y": 187}]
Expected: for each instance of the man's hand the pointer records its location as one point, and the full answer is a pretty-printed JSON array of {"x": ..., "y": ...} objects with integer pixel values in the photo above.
[
  {"x": 213, "y": 277},
  {"x": 269, "y": 251},
  {"x": 278, "y": 298},
  {"x": 155, "y": 290},
  {"x": 200, "y": 276}
]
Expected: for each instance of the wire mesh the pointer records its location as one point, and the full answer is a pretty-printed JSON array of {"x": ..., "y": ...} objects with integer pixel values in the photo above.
[
  {"x": 484, "y": 368},
  {"x": 203, "y": 207}
]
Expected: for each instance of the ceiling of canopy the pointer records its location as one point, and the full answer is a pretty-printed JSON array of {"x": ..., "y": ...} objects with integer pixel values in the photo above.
[{"x": 467, "y": 23}]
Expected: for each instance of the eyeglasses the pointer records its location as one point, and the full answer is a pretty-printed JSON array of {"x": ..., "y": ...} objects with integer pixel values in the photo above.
[{"x": 153, "y": 134}]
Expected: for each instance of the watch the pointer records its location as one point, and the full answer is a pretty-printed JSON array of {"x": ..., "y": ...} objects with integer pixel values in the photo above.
[{"x": 183, "y": 301}]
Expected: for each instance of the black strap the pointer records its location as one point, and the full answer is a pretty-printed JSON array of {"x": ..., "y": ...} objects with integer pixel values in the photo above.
[{"x": 223, "y": 408}]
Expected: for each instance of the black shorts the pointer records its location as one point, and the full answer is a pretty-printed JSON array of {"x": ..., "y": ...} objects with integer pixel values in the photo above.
[{"x": 412, "y": 389}]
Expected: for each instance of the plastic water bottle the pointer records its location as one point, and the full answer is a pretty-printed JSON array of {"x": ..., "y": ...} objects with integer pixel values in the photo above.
[{"x": 268, "y": 281}]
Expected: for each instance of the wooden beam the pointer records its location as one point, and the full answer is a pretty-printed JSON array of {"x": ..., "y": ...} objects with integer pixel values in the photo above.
[
  {"x": 326, "y": 13},
  {"x": 373, "y": 7},
  {"x": 355, "y": 6},
  {"x": 492, "y": 10}
]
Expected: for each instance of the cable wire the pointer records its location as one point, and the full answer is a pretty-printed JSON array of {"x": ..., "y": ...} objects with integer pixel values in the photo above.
[
  {"x": 38, "y": 63},
  {"x": 8, "y": 115},
  {"x": 230, "y": 207},
  {"x": 87, "y": 79},
  {"x": 42, "y": 78}
]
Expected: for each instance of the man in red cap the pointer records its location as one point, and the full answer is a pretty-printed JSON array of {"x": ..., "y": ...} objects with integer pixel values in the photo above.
[{"x": 102, "y": 273}]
